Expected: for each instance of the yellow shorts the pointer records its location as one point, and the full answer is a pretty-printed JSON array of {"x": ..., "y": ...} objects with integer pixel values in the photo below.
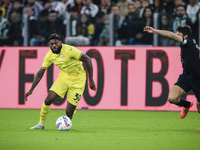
[{"x": 74, "y": 86}]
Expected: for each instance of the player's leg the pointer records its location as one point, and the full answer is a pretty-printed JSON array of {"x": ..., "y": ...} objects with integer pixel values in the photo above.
[
  {"x": 46, "y": 106},
  {"x": 182, "y": 86},
  {"x": 175, "y": 98},
  {"x": 175, "y": 94},
  {"x": 74, "y": 95},
  {"x": 198, "y": 108},
  {"x": 70, "y": 110},
  {"x": 196, "y": 89},
  {"x": 58, "y": 89}
]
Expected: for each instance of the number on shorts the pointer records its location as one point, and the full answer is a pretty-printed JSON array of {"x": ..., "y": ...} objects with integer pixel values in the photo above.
[{"x": 77, "y": 97}]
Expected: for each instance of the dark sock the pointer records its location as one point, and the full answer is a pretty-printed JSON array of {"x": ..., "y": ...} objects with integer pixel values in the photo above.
[{"x": 184, "y": 103}]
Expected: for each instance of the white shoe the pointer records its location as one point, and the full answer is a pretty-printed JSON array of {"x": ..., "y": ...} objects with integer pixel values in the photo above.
[{"x": 38, "y": 126}]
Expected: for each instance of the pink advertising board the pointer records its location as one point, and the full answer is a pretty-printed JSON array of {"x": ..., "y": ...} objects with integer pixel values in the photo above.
[{"x": 127, "y": 78}]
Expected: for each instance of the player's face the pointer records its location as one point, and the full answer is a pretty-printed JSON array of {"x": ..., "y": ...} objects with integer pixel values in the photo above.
[{"x": 54, "y": 44}]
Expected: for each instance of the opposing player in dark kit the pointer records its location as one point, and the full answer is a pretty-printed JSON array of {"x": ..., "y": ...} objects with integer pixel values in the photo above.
[
  {"x": 190, "y": 58},
  {"x": 71, "y": 79}
]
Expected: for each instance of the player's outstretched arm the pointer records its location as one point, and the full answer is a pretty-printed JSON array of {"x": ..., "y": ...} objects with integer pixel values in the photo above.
[
  {"x": 84, "y": 58},
  {"x": 165, "y": 33},
  {"x": 36, "y": 80}
]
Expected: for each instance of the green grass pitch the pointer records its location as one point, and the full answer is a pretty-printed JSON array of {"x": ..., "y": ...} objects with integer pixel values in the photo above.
[{"x": 100, "y": 130}]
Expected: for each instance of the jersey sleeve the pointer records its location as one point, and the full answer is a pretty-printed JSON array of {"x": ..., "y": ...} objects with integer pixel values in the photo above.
[
  {"x": 184, "y": 41},
  {"x": 75, "y": 53},
  {"x": 47, "y": 61}
]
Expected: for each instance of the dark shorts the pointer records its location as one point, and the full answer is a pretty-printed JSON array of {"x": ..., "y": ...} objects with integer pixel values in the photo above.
[{"x": 187, "y": 85}]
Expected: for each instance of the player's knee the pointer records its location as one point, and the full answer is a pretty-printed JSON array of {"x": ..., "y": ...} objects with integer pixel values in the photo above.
[
  {"x": 171, "y": 100},
  {"x": 51, "y": 97},
  {"x": 47, "y": 102}
]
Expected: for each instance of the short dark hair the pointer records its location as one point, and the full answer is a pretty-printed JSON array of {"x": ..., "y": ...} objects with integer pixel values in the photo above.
[
  {"x": 185, "y": 30},
  {"x": 54, "y": 36},
  {"x": 100, "y": 14},
  {"x": 53, "y": 11},
  {"x": 44, "y": 13},
  {"x": 131, "y": 4},
  {"x": 73, "y": 9},
  {"x": 19, "y": 1},
  {"x": 181, "y": 6}
]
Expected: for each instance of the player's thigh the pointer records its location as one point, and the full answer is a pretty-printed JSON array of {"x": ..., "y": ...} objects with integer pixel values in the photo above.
[
  {"x": 76, "y": 90},
  {"x": 59, "y": 87},
  {"x": 180, "y": 87},
  {"x": 175, "y": 93}
]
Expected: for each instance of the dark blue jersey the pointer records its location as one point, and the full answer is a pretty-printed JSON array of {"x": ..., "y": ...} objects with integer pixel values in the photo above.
[{"x": 190, "y": 58}]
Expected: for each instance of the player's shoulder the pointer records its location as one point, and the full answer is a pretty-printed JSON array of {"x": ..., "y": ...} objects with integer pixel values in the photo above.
[
  {"x": 188, "y": 41},
  {"x": 191, "y": 40},
  {"x": 191, "y": 43},
  {"x": 69, "y": 48},
  {"x": 49, "y": 53},
  {"x": 66, "y": 47}
]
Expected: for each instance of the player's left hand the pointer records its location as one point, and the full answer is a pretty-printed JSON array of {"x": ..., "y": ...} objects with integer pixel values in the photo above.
[{"x": 92, "y": 84}]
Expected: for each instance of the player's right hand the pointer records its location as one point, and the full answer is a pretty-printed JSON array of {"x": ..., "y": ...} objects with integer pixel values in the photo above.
[{"x": 27, "y": 94}]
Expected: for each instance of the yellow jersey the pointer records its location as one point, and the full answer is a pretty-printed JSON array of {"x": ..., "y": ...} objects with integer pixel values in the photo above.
[{"x": 67, "y": 61}]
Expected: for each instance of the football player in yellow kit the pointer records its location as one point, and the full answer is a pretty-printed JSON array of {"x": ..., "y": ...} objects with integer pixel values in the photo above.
[{"x": 71, "y": 79}]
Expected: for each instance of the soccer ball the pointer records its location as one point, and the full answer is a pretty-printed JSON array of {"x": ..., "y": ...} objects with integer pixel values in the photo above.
[{"x": 63, "y": 123}]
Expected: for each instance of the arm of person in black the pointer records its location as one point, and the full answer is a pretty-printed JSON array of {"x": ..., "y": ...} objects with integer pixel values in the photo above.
[{"x": 165, "y": 33}]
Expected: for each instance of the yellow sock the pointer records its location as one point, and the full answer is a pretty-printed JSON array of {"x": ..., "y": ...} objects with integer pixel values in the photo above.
[
  {"x": 73, "y": 114},
  {"x": 44, "y": 112}
]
